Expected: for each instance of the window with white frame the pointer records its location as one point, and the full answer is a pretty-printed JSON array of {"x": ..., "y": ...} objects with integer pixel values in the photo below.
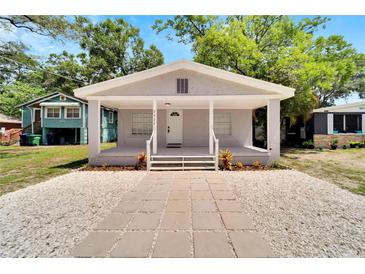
[
  {"x": 141, "y": 124},
  {"x": 54, "y": 113},
  {"x": 222, "y": 123},
  {"x": 72, "y": 113},
  {"x": 111, "y": 117}
]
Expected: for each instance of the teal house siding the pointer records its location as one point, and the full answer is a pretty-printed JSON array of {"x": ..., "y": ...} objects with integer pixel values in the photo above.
[
  {"x": 108, "y": 128},
  {"x": 72, "y": 130},
  {"x": 26, "y": 117},
  {"x": 62, "y": 122}
]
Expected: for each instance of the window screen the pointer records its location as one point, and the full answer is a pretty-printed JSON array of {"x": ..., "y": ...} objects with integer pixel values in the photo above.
[
  {"x": 222, "y": 124},
  {"x": 338, "y": 122},
  {"x": 353, "y": 122},
  {"x": 141, "y": 124},
  {"x": 182, "y": 85}
]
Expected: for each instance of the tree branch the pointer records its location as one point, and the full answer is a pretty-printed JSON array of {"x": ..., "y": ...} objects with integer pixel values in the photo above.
[
  {"x": 22, "y": 25},
  {"x": 201, "y": 32}
]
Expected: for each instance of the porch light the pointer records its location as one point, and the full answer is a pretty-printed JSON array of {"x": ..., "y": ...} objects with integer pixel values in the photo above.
[{"x": 167, "y": 104}]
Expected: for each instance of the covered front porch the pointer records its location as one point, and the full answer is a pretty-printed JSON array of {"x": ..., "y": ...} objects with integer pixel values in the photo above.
[
  {"x": 184, "y": 129},
  {"x": 184, "y": 112}
]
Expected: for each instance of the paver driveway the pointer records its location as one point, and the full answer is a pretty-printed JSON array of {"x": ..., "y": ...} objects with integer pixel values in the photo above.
[{"x": 176, "y": 214}]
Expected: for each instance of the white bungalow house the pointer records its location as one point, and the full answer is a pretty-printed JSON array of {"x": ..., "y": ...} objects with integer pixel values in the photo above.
[{"x": 181, "y": 114}]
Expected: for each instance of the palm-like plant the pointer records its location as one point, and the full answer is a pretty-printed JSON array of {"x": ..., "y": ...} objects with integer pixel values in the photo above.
[{"x": 226, "y": 157}]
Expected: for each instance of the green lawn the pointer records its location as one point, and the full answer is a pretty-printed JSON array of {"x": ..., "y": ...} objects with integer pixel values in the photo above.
[
  {"x": 343, "y": 167},
  {"x": 24, "y": 166}
]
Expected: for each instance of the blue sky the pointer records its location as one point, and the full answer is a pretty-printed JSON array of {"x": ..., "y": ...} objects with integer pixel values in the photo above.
[{"x": 351, "y": 27}]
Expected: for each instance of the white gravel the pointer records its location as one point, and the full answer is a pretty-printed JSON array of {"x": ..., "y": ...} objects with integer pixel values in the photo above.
[
  {"x": 48, "y": 219},
  {"x": 301, "y": 216},
  {"x": 298, "y": 215}
]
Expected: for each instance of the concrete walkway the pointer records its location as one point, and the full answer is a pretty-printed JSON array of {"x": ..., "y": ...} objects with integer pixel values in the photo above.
[{"x": 176, "y": 214}]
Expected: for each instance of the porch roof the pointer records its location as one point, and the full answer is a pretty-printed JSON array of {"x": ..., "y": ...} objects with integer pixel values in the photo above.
[{"x": 185, "y": 102}]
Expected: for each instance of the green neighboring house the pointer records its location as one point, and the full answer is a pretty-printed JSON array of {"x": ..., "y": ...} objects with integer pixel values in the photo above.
[{"x": 63, "y": 119}]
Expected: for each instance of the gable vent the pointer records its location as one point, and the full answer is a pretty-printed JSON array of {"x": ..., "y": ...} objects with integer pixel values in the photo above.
[{"x": 182, "y": 85}]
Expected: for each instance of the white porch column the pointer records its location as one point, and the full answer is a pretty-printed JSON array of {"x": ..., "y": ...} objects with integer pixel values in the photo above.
[
  {"x": 273, "y": 128},
  {"x": 211, "y": 126},
  {"x": 330, "y": 123},
  {"x": 154, "y": 115},
  {"x": 93, "y": 129}
]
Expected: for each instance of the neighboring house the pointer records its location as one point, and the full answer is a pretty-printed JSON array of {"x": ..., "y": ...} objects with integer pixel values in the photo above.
[
  {"x": 10, "y": 129},
  {"x": 8, "y": 122},
  {"x": 345, "y": 123},
  {"x": 182, "y": 114},
  {"x": 62, "y": 119}
]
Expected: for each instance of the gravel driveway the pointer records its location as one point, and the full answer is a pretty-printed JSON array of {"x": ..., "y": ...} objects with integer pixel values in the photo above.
[
  {"x": 48, "y": 219},
  {"x": 298, "y": 215},
  {"x": 301, "y": 216}
]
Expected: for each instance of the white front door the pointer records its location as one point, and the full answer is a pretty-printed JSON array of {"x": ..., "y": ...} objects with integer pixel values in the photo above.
[{"x": 174, "y": 126}]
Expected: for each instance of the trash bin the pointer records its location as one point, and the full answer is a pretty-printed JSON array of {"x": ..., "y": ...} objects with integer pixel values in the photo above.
[
  {"x": 50, "y": 139},
  {"x": 23, "y": 139},
  {"x": 34, "y": 139},
  {"x": 62, "y": 140}
]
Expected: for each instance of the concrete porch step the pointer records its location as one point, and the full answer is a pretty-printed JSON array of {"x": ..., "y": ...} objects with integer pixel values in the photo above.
[
  {"x": 178, "y": 162},
  {"x": 183, "y": 168},
  {"x": 186, "y": 162}
]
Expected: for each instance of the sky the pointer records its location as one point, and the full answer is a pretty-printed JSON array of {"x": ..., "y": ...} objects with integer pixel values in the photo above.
[{"x": 351, "y": 27}]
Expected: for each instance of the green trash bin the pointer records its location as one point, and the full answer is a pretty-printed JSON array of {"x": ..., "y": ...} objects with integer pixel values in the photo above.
[{"x": 34, "y": 139}]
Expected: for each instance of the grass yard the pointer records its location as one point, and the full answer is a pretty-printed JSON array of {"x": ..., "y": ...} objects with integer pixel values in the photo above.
[
  {"x": 24, "y": 166},
  {"x": 343, "y": 167}
]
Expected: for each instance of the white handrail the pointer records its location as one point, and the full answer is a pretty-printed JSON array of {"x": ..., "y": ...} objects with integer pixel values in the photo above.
[
  {"x": 216, "y": 150},
  {"x": 148, "y": 150}
]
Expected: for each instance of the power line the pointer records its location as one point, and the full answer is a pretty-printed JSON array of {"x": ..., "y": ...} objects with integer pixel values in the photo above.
[{"x": 56, "y": 74}]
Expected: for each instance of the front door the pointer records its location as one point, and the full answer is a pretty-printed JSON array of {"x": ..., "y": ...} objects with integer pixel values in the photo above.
[
  {"x": 174, "y": 123},
  {"x": 37, "y": 115}
]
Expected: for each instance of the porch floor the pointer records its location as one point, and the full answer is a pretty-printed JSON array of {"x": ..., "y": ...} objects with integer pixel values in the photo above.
[{"x": 183, "y": 151}]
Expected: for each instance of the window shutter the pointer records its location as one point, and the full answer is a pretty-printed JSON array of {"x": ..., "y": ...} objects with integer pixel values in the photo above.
[
  {"x": 178, "y": 86},
  {"x": 182, "y": 85}
]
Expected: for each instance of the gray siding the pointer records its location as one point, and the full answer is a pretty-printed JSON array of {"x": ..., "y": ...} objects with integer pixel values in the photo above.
[{"x": 320, "y": 123}]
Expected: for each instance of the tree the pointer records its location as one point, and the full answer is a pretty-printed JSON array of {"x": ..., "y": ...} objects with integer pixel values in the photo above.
[
  {"x": 333, "y": 69},
  {"x": 15, "y": 94},
  {"x": 113, "y": 48},
  {"x": 14, "y": 62},
  {"x": 275, "y": 49},
  {"x": 45, "y": 25},
  {"x": 187, "y": 27},
  {"x": 61, "y": 72},
  {"x": 109, "y": 49}
]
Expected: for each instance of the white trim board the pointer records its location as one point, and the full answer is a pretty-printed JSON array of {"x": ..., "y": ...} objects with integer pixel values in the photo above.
[
  {"x": 344, "y": 108},
  {"x": 46, "y": 113},
  {"x": 71, "y": 118}
]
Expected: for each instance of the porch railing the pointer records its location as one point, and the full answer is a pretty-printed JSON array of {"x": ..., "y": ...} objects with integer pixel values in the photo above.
[
  {"x": 216, "y": 150},
  {"x": 148, "y": 150}
]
